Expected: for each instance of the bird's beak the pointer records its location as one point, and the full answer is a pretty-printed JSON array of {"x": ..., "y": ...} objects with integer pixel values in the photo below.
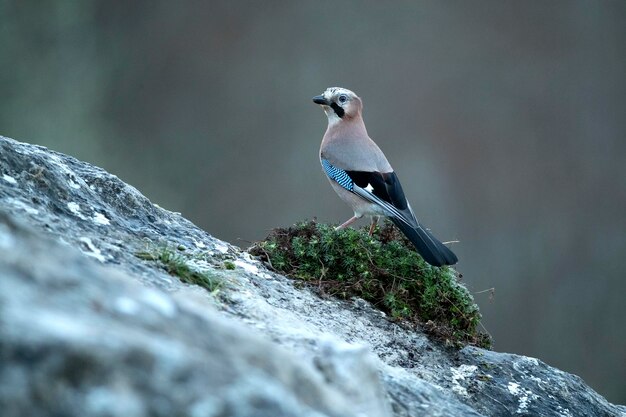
[{"x": 321, "y": 100}]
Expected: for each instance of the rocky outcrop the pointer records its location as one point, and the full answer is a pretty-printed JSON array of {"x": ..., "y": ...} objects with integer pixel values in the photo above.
[{"x": 88, "y": 328}]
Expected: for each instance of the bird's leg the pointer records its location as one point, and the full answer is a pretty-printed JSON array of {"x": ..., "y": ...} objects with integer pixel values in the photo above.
[
  {"x": 347, "y": 223},
  {"x": 373, "y": 225}
]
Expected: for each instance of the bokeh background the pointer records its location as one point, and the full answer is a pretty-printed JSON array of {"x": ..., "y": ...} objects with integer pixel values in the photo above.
[{"x": 506, "y": 122}]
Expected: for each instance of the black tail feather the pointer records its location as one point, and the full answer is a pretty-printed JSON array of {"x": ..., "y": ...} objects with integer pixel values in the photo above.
[{"x": 432, "y": 250}]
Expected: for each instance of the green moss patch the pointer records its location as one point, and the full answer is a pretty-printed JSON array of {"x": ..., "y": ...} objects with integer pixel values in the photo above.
[
  {"x": 384, "y": 269},
  {"x": 179, "y": 265}
]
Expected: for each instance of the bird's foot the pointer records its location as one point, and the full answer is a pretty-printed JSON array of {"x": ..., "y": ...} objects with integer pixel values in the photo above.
[
  {"x": 347, "y": 223},
  {"x": 373, "y": 225}
]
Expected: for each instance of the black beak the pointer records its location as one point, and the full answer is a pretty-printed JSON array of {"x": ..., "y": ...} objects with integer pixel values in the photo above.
[{"x": 321, "y": 100}]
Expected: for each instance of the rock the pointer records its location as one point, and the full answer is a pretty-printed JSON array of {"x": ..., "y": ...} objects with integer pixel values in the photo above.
[
  {"x": 88, "y": 328},
  {"x": 80, "y": 339}
]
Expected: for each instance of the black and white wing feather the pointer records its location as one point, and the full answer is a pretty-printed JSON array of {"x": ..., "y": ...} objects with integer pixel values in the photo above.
[{"x": 384, "y": 190}]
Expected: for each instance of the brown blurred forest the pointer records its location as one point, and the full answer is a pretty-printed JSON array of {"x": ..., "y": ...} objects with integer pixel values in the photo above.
[{"x": 505, "y": 121}]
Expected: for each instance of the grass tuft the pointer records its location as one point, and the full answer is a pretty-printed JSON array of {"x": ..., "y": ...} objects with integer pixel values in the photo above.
[
  {"x": 178, "y": 265},
  {"x": 384, "y": 269}
]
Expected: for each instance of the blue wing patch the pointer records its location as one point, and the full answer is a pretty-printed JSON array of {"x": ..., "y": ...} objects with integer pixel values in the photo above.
[{"x": 339, "y": 175}]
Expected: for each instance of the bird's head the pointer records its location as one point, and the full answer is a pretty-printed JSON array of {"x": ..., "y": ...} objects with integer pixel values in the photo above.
[{"x": 339, "y": 104}]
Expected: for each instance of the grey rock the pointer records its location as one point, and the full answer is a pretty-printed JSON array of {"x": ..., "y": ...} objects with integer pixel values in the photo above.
[
  {"x": 520, "y": 385},
  {"x": 89, "y": 329},
  {"x": 77, "y": 338}
]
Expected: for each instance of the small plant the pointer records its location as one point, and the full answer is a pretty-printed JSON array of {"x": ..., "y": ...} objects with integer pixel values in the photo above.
[
  {"x": 179, "y": 265},
  {"x": 384, "y": 269}
]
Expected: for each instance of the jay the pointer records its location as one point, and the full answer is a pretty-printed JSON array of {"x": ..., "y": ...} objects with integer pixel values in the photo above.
[{"x": 360, "y": 174}]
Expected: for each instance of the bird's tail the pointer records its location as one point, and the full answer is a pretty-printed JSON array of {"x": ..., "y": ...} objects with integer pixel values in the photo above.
[{"x": 432, "y": 250}]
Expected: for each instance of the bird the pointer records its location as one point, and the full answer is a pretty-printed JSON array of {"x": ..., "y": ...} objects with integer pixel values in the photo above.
[{"x": 361, "y": 175}]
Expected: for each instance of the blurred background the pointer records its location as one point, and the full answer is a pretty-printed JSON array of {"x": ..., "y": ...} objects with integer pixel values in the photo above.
[{"x": 505, "y": 121}]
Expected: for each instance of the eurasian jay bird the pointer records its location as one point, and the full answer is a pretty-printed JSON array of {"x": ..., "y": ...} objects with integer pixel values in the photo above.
[{"x": 360, "y": 174}]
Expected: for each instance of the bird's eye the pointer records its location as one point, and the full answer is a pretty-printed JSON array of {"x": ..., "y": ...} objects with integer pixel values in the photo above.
[{"x": 343, "y": 98}]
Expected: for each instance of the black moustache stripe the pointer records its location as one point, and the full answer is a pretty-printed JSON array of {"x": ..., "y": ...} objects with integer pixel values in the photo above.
[{"x": 338, "y": 109}]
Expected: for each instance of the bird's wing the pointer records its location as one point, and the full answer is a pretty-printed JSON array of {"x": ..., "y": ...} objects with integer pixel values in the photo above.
[
  {"x": 380, "y": 188},
  {"x": 384, "y": 190}
]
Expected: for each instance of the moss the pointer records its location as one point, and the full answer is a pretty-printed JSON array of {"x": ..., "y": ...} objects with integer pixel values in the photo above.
[
  {"x": 229, "y": 265},
  {"x": 384, "y": 269},
  {"x": 179, "y": 265}
]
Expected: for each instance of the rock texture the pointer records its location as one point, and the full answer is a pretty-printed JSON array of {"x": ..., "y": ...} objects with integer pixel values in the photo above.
[{"x": 89, "y": 329}]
